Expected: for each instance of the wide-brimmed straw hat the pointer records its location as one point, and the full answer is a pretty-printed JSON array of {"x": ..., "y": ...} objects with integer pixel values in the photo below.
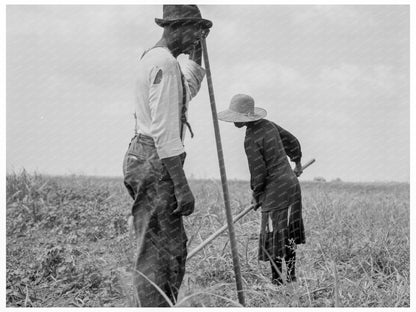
[
  {"x": 182, "y": 13},
  {"x": 242, "y": 110}
]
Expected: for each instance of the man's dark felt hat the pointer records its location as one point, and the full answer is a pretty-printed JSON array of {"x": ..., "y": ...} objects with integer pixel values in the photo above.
[{"x": 182, "y": 13}]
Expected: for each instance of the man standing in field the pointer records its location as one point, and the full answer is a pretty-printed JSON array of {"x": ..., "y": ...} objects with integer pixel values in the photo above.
[
  {"x": 153, "y": 165},
  {"x": 274, "y": 184}
]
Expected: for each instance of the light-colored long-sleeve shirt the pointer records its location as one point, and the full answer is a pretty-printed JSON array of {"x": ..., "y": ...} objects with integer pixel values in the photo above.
[{"x": 159, "y": 98}]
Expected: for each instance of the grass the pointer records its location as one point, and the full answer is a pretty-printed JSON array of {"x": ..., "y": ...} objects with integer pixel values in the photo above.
[{"x": 68, "y": 245}]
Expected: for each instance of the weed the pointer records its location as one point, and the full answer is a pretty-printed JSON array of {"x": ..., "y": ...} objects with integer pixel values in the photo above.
[{"x": 69, "y": 244}]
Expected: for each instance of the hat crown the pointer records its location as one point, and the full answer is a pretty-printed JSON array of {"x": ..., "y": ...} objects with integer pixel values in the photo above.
[
  {"x": 242, "y": 104},
  {"x": 182, "y": 13},
  {"x": 175, "y": 12},
  {"x": 242, "y": 109}
]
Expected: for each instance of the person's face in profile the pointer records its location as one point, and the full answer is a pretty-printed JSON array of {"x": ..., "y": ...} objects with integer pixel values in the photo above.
[{"x": 189, "y": 36}]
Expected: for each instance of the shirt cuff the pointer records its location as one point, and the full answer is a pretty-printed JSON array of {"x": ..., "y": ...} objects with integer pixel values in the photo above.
[
  {"x": 193, "y": 69},
  {"x": 296, "y": 158},
  {"x": 194, "y": 74}
]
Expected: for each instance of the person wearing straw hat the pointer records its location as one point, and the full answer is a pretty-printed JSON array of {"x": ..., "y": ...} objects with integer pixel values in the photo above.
[
  {"x": 153, "y": 164},
  {"x": 274, "y": 184}
]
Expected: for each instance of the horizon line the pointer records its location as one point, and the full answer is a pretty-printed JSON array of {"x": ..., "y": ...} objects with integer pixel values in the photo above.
[{"x": 192, "y": 178}]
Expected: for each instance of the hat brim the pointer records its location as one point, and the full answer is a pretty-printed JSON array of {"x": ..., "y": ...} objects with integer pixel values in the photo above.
[
  {"x": 164, "y": 22},
  {"x": 232, "y": 116}
]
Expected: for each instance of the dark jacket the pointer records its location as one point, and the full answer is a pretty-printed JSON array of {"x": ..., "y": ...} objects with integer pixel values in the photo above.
[{"x": 273, "y": 182}]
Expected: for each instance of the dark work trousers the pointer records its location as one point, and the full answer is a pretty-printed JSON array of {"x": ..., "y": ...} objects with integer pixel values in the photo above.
[{"x": 161, "y": 237}]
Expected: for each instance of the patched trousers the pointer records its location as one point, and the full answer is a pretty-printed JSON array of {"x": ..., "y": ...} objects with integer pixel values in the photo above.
[{"x": 161, "y": 237}]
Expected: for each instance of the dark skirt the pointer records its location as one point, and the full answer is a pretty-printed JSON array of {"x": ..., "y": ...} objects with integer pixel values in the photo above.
[{"x": 273, "y": 241}]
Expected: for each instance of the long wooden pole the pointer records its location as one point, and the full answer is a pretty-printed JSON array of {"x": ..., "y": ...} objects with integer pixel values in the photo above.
[
  {"x": 235, "y": 219},
  {"x": 231, "y": 233}
]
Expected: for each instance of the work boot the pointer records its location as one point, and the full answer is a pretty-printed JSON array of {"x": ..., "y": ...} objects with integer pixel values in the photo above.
[{"x": 276, "y": 276}]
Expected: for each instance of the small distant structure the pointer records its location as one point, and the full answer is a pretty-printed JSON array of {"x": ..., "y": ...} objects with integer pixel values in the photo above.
[
  {"x": 337, "y": 180},
  {"x": 319, "y": 179}
]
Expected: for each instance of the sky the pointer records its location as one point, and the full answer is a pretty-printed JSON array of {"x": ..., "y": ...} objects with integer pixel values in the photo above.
[{"x": 335, "y": 76}]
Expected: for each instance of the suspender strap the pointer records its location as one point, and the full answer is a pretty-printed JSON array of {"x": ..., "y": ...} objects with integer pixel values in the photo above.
[
  {"x": 184, "y": 109},
  {"x": 135, "y": 123}
]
